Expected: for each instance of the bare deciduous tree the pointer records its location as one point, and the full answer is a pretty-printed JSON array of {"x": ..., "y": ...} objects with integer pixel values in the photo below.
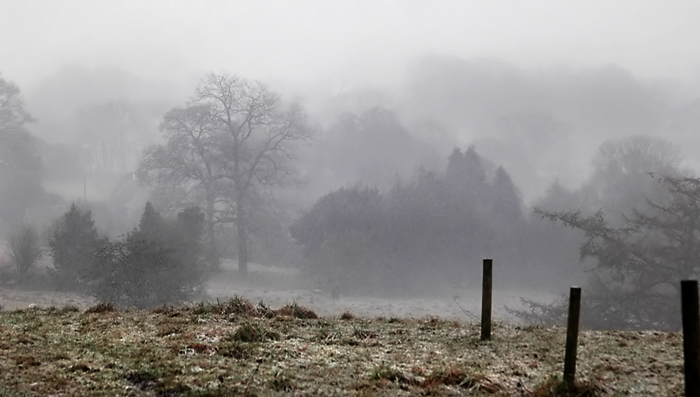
[
  {"x": 620, "y": 179},
  {"x": 234, "y": 144},
  {"x": 191, "y": 159},
  {"x": 263, "y": 138}
]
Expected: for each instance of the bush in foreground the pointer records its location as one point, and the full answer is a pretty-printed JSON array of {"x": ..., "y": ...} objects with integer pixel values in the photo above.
[{"x": 159, "y": 262}]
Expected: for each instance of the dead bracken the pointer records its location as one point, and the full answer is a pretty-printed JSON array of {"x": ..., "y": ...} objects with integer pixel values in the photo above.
[{"x": 236, "y": 348}]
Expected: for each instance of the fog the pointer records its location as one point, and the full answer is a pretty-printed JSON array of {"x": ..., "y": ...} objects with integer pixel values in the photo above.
[{"x": 390, "y": 88}]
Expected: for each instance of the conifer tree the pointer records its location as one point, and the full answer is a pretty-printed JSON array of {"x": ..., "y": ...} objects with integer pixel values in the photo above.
[{"x": 73, "y": 243}]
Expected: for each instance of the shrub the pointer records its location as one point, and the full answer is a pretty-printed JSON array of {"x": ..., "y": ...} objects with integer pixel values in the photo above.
[
  {"x": 25, "y": 249},
  {"x": 160, "y": 262}
]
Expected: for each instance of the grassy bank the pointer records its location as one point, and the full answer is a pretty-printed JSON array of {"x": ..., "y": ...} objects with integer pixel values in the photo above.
[{"x": 236, "y": 348}]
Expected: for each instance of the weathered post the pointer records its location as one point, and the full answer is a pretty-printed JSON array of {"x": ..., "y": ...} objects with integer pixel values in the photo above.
[
  {"x": 572, "y": 337},
  {"x": 691, "y": 337},
  {"x": 486, "y": 296}
]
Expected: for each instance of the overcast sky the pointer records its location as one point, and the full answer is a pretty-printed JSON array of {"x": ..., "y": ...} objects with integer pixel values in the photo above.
[{"x": 347, "y": 41}]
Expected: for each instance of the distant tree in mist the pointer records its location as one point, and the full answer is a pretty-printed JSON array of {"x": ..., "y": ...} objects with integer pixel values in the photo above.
[
  {"x": 536, "y": 146},
  {"x": 620, "y": 179},
  {"x": 13, "y": 115},
  {"x": 25, "y": 248},
  {"x": 192, "y": 159},
  {"x": 160, "y": 261},
  {"x": 80, "y": 105},
  {"x": 233, "y": 146},
  {"x": 63, "y": 162},
  {"x": 506, "y": 201},
  {"x": 114, "y": 134},
  {"x": 423, "y": 231},
  {"x": 475, "y": 95},
  {"x": 466, "y": 173},
  {"x": 372, "y": 147},
  {"x": 20, "y": 164},
  {"x": 73, "y": 241}
]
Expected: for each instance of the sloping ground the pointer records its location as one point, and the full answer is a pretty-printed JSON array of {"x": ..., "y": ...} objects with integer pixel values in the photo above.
[{"x": 235, "y": 348}]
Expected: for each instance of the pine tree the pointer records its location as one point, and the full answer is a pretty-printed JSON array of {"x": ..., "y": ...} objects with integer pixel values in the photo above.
[
  {"x": 635, "y": 283},
  {"x": 506, "y": 198},
  {"x": 73, "y": 243}
]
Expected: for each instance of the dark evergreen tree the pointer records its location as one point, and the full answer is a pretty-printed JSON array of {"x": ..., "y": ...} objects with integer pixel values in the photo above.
[
  {"x": 506, "y": 199},
  {"x": 190, "y": 240},
  {"x": 466, "y": 170},
  {"x": 422, "y": 232},
  {"x": 635, "y": 283},
  {"x": 151, "y": 224},
  {"x": 72, "y": 243}
]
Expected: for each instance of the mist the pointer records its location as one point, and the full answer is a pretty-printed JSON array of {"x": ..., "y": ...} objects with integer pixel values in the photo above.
[{"x": 476, "y": 113}]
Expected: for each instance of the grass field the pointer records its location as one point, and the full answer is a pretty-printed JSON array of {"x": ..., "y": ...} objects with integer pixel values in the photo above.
[{"x": 237, "y": 348}]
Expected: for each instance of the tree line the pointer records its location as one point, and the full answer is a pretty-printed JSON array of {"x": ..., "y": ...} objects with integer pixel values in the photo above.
[
  {"x": 424, "y": 231},
  {"x": 159, "y": 262},
  {"x": 227, "y": 152}
]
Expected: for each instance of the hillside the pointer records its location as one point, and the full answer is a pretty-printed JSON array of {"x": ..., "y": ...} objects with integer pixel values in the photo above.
[{"x": 236, "y": 348}]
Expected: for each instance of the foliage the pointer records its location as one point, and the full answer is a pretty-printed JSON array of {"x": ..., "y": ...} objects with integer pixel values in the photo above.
[
  {"x": 270, "y": 241},
  {"x": 635, "y": 284},
  {"x": 422, "y": 231},
  {"x": 25, "y": 248},
  {"x": 363, "y": 148},
  {"x": 157, "y": 263},
  {"x": 620, "y": 179},
  {"x": 73, "y": 242}
]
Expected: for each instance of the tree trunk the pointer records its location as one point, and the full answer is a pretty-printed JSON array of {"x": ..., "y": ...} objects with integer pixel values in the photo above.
[{"x": 242, "y": 243}]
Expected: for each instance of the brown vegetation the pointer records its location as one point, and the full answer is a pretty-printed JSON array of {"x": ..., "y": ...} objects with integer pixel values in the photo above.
[{"x": 236, "y": 348}]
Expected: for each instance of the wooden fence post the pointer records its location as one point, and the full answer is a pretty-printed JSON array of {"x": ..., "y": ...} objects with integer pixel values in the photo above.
[
  {"x": 572, "y": 337},
  {"x": 691, "y": 337},
  {"x": 486, "y": 296}
]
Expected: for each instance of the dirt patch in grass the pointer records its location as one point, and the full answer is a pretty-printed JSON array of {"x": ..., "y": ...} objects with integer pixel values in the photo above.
[{"x": 236, "y": 348}]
